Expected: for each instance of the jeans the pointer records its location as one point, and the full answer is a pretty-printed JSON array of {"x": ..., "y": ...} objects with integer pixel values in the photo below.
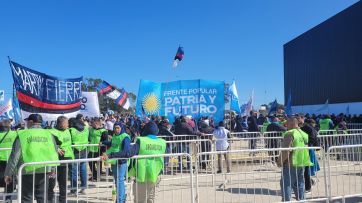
[
  {"x": 292, "y": 178},
  {"x": 119, "y": 174},
  {"x": 79, "y": 167}
]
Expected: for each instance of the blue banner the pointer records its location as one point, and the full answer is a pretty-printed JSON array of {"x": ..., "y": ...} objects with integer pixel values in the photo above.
[
  {"x": 40, "y": 93},
  {"x": 185, "y": 97}
]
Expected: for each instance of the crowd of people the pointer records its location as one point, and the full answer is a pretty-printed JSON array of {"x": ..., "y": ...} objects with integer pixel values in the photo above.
[{"x": 112, "y": 135}]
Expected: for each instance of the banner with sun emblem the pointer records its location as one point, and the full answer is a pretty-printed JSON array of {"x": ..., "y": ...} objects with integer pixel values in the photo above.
[{"x": 185, "y": 97}]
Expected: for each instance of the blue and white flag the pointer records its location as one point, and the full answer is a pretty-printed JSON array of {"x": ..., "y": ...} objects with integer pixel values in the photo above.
[
  {"x": 234, "y": 98},
  {"x": 185, "y": 97}
]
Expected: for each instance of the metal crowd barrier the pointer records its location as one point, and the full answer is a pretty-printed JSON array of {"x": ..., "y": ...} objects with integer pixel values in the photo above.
[
  {"x": 345, "y": 173},
  {"x": 354, "y": 125},
  {"x": 178, "y": 188},
  {"x": 253, "y": 179},
  {"x": 330, "y": 140},
  {"x": 5, "y": 187}
]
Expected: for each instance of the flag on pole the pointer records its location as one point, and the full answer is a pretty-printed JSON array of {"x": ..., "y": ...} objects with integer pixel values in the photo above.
[
  {"x": 288, "y": 108},
  {"x": 234, "y": 98},
  {"x": 273, "y": 107},
  {"x": 178, "y": 57},
  {"x": 347, "y": 110},
  {"x": 324, "y": 107},
  {"x": 249, "y": 105},
  {"x": 120, "y": 96}
]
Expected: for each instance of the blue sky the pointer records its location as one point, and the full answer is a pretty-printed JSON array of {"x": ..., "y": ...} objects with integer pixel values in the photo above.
[{"x": 125, "y": 41}]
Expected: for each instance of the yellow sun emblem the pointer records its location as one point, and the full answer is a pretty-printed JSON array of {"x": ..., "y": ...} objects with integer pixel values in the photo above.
[{"x": 151, "y": 104}]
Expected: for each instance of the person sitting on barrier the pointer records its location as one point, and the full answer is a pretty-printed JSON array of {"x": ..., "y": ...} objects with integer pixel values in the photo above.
[
  {"x": 32, "y": 145},
  {"x": 64, "y": 139},
  {"x": 120, "y": 142},
  {"x": 293, "y": 162},
  {"x": 7, "y": 138},
  {"x": 145, "y": 170},
  {"x": 221, "y": 134},
  {"x": 97, "y": 134},
  {"x": 80, "y": 134}
]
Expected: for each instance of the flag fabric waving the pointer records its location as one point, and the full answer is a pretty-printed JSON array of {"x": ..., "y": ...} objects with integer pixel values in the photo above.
[
  {"x": 234, "y": 98},
  {"x": 47, "y": 95},
  {"x": 120, "y": 96},
  {"x": 288, "y": 108},
  {"x": 273, "y": 107},
  {"x": 178, "y": 57}
]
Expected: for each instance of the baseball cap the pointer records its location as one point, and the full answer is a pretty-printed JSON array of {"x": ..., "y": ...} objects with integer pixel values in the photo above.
[{"x": 36, "y": 118}]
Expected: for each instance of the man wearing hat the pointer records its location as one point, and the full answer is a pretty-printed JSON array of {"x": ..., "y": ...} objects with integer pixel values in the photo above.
[
  {"x": 33, "y": 144},
  {"x": 7, "y": 138}
]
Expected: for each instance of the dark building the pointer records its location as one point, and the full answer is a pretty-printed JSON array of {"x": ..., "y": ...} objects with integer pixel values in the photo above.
[{"x": 326, "y": 61}]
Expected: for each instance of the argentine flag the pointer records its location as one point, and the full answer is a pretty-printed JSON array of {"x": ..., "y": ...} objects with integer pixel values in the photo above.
[{"x": 234, "y": 98}]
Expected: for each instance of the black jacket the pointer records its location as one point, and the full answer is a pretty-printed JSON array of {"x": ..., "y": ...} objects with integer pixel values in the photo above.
[
  {"x": 313, "y": 140},
  {"x": 253, "y": 124}
]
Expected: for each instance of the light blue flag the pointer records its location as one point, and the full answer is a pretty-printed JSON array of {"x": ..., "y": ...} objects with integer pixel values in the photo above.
[
  {"x": 288, "y": 108},
  {"x": 324, "y": 107},
  {"x": 234, "y": 98}
]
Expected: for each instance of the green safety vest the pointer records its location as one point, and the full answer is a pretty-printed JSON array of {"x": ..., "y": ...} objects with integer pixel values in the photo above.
[
  {"x": 300, "y": 157},
  {"x": 95, "y": 137},
  {"x": 264, "y": 126},
  {"x": 148, "y": 169},
  {"x": 66, "y": 139},
  {"x": 324, "y": 123},
  {"x": 37, "y": 146},
  {"x": 116, "y": 145},
  {"x": 6, "y": 143},
  {"x": 79, "y": 138}
]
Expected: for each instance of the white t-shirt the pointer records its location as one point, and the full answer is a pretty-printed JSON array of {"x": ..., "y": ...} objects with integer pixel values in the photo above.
[
  {"x": 109, "y": 125},
  {"x": 221, "y": 135}
]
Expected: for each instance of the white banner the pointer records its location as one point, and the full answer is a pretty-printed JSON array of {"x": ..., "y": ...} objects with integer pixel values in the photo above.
[
  {"x": 89, "y": 104},
  {"x": 6, "y": 111}
]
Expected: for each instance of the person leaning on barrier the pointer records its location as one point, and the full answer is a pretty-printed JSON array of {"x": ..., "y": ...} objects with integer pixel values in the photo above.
[
  {"x": 120, "y": 142},
  {"x": 32, "y": 145},
  {"x": 64, "y": 140},
  {"x": 7, "y": 138},
  {"x": 80, "y": 134},
  {"x": 145, "y": 170},
  {"x": 293, "y": 162},
  {"x": 96, "y": 134},
  {"x": 221, "y": 134}
]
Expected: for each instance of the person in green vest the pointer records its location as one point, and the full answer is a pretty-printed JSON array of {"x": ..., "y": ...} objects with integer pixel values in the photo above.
[
  {"x": 120, "y": 143},
  {"x": 97, "y": 134},
  {"x": 326, "y": 123},
  {"x": 33, "y": 144},
  {"x": 7, "y": 138},
  {"x": 293, "y": 162},
  {"x": 145, "y": 171},
  {"x": 79, "y": 133},
  {"x": 64, "y": 141}
]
